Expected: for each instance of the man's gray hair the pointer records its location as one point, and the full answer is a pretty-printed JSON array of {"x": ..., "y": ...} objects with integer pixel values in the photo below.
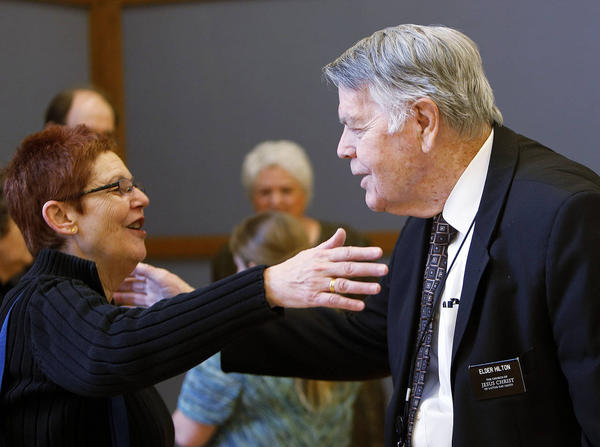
[
  {"x": 283, "y": 153},
  {"x": 401, "y": 64}
]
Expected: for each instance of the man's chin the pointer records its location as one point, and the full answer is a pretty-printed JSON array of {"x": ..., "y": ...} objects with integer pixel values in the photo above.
[{"x": 374, "y": 205}]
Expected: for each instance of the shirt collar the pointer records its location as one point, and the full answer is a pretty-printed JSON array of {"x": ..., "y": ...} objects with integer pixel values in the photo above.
[{"x": 463, "y": 202}]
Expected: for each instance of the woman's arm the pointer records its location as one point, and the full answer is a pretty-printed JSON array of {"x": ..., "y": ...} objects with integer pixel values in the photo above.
[
  {"x": 189, "y": 433},
  {"x": 302, "y": 281}
]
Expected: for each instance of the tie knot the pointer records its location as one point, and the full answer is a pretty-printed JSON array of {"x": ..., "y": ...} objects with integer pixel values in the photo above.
[{"x": 442, "y": 233}]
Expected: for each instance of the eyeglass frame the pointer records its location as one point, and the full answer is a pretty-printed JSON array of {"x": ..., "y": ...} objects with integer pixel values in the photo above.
[{"x": 116, "y": 184}]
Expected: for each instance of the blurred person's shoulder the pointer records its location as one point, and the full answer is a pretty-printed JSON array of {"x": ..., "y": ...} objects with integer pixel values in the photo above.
[{"x": 353, "y": 236}]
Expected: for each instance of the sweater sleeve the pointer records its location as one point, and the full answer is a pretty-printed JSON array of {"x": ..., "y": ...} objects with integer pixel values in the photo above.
[
  {"x": 91, "y": 347},
  {"x": 321, "y": 344}
]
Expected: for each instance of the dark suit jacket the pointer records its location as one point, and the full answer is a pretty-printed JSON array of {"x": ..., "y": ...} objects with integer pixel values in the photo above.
[{"x": 531, "y": 290}]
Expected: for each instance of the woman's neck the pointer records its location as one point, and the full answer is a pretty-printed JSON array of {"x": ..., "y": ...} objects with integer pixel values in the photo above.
[
  {"x": 111, "y": 272},
  {"x": 110, "y": 282}
]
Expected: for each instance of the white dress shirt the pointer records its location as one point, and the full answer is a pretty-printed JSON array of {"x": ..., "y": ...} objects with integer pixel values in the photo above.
[{"x": 434, "y": 418}]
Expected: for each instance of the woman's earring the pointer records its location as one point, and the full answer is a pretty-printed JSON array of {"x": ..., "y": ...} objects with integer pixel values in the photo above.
[{"x": 74, "y": 229}]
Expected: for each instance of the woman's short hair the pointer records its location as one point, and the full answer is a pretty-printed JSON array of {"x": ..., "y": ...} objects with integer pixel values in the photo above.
[
  {"x": 4, "y": 217},
  {"x": 53, "y": 164},
  {"x": 401, "y": 64},
  {"x": 268, "y": 238},
  {"x": 283, "y": 153}
]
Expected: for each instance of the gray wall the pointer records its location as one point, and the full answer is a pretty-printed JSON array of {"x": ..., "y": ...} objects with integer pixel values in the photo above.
[
  {"x": 206, "y": 81},
  {"x": 43, "y": 49}
]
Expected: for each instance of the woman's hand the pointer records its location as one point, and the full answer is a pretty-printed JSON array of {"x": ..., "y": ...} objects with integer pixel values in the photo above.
[
  {"x": 148, "y": 284},
  {"x": 306, "y": 279}
]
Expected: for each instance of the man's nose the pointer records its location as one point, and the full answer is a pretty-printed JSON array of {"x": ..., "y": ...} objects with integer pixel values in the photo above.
[{"x": 345, "y": 147}]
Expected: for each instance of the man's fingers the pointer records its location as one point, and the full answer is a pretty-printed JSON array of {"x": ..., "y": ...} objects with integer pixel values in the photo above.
[
  {"x": 143, "y": 270},
  {"x": 131, "y": 284},
  {"x": 338, "y": 302},
  {"x": 337, "y": 240},
  {"x": 346, "y": 286},
  {"x": 354, "y": 269},
  {"x": 125, "y": 298},
  {"x": 354, "y": 254}
]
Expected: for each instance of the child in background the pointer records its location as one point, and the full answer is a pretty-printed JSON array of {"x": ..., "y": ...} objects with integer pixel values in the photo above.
[{"x": 238, "y": 410}]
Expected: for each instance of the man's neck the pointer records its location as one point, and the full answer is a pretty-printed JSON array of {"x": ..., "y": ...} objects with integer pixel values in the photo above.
[{"x": 455, "y": 153}]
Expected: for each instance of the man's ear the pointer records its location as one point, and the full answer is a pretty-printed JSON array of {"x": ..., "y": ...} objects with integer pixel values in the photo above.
[
  {"x": 427, "y": 115},
  {"x": 59, "y": 217}
]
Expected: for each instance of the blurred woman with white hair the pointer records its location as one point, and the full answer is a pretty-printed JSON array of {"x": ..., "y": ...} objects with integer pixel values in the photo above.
[{"x": 277, "y": 176}]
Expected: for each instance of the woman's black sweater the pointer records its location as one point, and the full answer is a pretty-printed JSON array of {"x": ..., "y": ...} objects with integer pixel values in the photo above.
[{"x": 68, "y": 351}]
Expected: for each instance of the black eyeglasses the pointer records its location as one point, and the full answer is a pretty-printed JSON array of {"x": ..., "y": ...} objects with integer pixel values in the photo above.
[{"x": 124, "y": 186}]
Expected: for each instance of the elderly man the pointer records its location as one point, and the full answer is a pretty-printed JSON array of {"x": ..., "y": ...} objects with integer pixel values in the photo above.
[
  {"x": 488, "y": 319},
  {"x": 82, "y": 106}
]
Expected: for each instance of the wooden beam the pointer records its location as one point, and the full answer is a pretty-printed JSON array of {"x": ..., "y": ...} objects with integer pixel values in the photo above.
[
  {"x": 205, "y": 247},
  {"x": 106, "y": 58},
  {"x": 384, "y": 239},
  {"x": 84, "y": 3},
  {"x": 185, "y": 247},
  {"x": 166, "y": 2}
]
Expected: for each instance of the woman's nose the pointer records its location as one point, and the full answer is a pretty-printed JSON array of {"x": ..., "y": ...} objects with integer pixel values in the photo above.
[
  {"x": 140, "y": 198},
  {"x": 276, "y": 200}
]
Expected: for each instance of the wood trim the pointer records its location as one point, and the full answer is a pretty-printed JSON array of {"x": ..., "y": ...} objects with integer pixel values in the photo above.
[
  {"x": 166, "y": 2},
  {"x": 106, "y": 58},
  {"x": 204, "y": 247},
  {"x": 83, "y": 3},
  {"x": 185, "y": 247},
  {"x": 88, "y": 3},
  {"x": 386, "y": 239}
]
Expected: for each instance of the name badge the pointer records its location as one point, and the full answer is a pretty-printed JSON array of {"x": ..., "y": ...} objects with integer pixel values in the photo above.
[{"x": 497, "y": 379}]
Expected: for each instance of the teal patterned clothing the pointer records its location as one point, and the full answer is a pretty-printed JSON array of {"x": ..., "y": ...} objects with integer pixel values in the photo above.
[{"x": 255, "y": 411}]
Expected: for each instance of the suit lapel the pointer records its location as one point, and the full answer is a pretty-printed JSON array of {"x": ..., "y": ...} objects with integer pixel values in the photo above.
[
  {"x": 503, "y": 162},
  {"x": 406, "y": 285},
  {"x": 405, "y": 290}
]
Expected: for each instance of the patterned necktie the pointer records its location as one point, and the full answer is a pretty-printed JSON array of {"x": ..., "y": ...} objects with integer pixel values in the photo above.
[{"x": 435, "y": 269}]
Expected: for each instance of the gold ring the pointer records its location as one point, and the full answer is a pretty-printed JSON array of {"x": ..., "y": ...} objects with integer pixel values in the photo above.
[{"x": 332, "y": 285}]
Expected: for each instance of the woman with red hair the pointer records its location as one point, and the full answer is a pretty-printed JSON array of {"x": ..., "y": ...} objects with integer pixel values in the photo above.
[{"x": 79, "y": 370}]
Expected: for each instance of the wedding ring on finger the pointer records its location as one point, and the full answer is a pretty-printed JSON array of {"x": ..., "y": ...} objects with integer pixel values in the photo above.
[{"x": 332, "y": 285}]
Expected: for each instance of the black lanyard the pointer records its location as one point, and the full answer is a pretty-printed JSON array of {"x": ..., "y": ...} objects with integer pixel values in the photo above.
[{"x": 402, "y": 425}]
